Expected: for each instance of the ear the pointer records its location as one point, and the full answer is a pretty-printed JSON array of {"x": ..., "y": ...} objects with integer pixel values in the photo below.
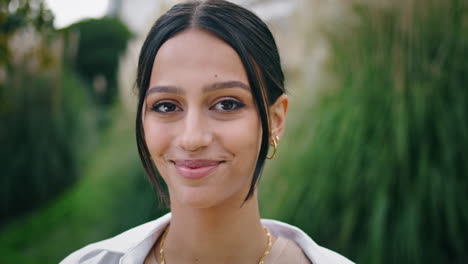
[{"x": 278, "y": 112}]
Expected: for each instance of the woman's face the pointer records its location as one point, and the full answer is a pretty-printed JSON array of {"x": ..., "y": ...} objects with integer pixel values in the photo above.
[{"x": 201, "y": 122}]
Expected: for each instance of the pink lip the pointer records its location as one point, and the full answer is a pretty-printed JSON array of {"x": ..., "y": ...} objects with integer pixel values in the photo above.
[{"x": 195, "y": 169}]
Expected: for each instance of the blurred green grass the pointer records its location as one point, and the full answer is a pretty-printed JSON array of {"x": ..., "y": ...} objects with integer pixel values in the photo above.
[
  {"x": 376, "y": 168},
  {"x": 111, "y": 196}
]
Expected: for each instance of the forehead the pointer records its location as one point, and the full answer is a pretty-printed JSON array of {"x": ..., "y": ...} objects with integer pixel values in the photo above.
[{"x": 195, "y": 56}]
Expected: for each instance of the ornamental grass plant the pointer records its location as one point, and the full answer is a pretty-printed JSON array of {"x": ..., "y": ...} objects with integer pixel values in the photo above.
[{"x": 377, "y": 168}]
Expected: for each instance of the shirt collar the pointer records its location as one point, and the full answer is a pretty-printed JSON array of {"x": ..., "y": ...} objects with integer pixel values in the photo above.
[{"x": 138, "y": 252}]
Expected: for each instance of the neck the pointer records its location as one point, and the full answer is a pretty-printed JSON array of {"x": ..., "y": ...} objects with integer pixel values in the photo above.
[{"x": 228, "y": 234}]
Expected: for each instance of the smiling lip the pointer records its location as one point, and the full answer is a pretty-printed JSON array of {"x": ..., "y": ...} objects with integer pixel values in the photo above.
[{"x": 195, "y": 169}]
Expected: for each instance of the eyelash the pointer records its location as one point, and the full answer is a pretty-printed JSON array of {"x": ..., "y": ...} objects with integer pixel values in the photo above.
[
  {"x": 156, "y": 107},
  {"x": 236, "y": 106}
]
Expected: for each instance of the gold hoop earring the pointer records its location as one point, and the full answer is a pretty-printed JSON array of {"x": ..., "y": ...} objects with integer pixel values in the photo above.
[{"x": 275, "y": 147}]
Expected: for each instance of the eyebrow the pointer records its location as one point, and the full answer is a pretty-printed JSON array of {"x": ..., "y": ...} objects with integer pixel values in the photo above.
[
  {"x": 225, "y": 85},
  {"x": 209, "y": 88},
  {"x": 164, "y": 89}
]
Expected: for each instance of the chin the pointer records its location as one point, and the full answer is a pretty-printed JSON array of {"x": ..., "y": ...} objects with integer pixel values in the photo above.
[{"x": 199, "y": 198}]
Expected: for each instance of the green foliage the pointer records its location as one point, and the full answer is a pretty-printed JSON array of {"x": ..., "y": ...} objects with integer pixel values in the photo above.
[
  {"x": 377, "y": 169},
  {"x": 101, "y": 41},
  {"x": 111, "y": 196},
  {"x": 48, "y": 135},
  {"x": 46, "y": 121},
  {"x": 18, "y": 14},
  {"x": 41, "y": 107}
]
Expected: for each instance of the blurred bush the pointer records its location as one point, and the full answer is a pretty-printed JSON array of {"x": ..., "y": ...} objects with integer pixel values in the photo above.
[
  {"x": 100, "y": 42},
  {"x": 40, "y": 142},
  {"x": 50, "y": 83},
  {"x": 111, "y": 196},
  {"x": 44, "y": 114},
  {"x": 377, "y": 168}
]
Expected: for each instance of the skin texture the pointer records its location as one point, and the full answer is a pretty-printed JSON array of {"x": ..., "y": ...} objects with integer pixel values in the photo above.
[{"x": 199, "y": 109}]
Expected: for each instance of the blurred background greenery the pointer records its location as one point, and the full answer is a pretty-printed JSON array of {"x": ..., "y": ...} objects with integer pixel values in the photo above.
[{"x": 372, "y": 164}]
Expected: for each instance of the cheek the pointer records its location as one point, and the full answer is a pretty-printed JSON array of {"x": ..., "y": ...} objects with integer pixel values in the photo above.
[
  {"x": 157, "y": 137},
  {"x": 242, "y": 138}
]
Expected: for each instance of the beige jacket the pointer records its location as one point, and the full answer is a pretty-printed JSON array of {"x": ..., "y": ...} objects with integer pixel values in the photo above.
[{"x": 132, "y": 246}]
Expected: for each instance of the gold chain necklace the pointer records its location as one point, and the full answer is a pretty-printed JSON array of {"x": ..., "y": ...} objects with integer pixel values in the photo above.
[{"x": 267, "y": 250}]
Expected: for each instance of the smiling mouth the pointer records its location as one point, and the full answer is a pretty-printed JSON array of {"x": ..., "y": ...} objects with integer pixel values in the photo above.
[{"x": 195, "y": 169}]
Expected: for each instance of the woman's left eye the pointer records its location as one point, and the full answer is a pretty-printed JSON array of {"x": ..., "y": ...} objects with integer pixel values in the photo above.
[{"x": 227, "y": 105}]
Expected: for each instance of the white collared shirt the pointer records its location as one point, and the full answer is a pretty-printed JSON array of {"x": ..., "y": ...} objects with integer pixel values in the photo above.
[{"x": 132, "y": 246}]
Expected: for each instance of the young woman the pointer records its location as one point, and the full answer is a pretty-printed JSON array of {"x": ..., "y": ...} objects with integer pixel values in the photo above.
[{"x": 211, "y": 101}]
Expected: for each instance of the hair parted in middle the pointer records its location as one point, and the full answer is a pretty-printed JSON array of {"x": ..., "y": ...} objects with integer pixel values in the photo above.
[{"x": 247, "y": 34}]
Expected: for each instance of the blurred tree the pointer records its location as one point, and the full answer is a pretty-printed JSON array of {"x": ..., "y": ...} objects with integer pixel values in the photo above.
[
  {"x": 19, "y": 14},
  {"x": 16, "y": 15},
  {"x": 377, "y": 169},
  {"x": 101, "y": 41}
]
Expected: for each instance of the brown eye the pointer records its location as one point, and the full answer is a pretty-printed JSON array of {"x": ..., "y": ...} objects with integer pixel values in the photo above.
[
  {"x": 227, "y": 105},
  {"x": 165, "y": 107}
]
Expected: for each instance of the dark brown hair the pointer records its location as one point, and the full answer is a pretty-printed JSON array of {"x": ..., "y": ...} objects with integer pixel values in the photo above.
[{"x": 247, "y": 34}]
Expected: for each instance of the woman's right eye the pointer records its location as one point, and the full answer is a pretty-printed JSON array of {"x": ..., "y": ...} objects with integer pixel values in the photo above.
[{"x": 165, "y": 107}]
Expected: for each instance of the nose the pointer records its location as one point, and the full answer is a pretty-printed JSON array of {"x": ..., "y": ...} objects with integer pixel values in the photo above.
[{"x": 195, "y": 134}]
